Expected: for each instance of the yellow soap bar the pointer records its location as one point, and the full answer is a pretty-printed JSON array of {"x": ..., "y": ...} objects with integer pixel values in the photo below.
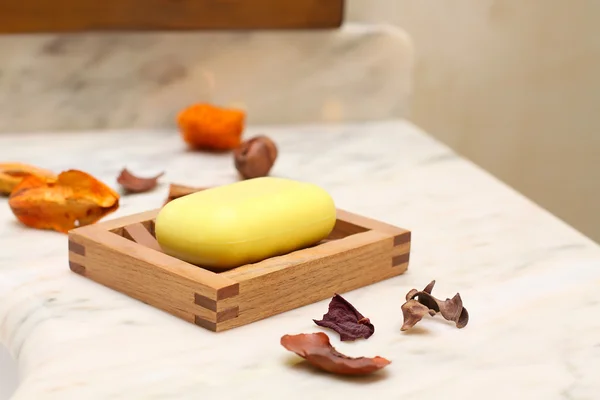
[{"x": 245, "y": 222}]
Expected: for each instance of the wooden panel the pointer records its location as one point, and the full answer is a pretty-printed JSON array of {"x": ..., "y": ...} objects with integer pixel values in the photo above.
[
  {"x": 84, "y": 15},
  {"x": 347, "y": 264},
  {"x": 145, "y": 274}
]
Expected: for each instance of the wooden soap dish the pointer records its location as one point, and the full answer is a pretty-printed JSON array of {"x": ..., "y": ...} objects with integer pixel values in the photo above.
[{"x": 124, "y": 255}]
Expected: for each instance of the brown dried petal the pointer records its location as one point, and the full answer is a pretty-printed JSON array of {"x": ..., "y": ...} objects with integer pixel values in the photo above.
[
  {"x": 317, "y": 350},
  {"x": 413, "y": 312},
  {"x": 345, "y": 319},
  {"x": 411, "y": 294},
  {"x": 427, "y": 300},
  {"x": 135, "y": 184},
  {"x": 451, "y": 309},
  {"x": 429, "y": 287},
  {"x": 463, "y": 319},
  {"x": 177, "y": 191}
]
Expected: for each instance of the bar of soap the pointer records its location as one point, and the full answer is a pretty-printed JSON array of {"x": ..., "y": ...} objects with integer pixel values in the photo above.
[{"x": 245, "y": 222}]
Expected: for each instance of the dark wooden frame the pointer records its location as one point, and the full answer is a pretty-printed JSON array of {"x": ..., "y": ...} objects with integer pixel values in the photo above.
[{"x": 43, "y": 16}]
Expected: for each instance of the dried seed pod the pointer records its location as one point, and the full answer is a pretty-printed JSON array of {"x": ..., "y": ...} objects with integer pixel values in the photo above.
[
  {"x": 255, "y": 157},
  {"x": 419, "y": 303},
  {"x": 413, "y": 312}
]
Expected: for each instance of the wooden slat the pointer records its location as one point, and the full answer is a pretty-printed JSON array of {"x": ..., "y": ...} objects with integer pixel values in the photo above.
[
  {"x": 291, "y": 261},
  {"x": 117, "y": 224},
  {"x": 26, "y": 16},
  {"x": 143, "y": 273},
  {"x": 140, "y": 234},
  {"x": 350, "y": 222}
]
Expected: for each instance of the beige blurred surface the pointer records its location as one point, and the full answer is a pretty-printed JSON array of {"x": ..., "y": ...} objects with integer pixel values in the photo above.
[
  {"x": 513, "y": 85},
  {"x": 114, "y": 80}
]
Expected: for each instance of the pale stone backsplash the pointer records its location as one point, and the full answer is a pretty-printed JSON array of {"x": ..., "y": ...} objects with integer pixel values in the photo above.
[{"x": 141, "y": 80}]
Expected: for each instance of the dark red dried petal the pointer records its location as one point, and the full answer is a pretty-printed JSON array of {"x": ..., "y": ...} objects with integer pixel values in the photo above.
[{"x": 345, "y": 319}]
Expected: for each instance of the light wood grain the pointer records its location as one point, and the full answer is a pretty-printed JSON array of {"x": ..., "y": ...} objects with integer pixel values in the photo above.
[
  {"x": 176, "y": 191},
  {"x": 18, "y": 16},
  {"x": 363, "y": 252},
  {"x": 147, "y": 275},
  {"x": 354, "y": 223},
  {"x": 308, "y": 276},
  {"x": 140, "y": 234},
  {"x": 117, "y": 224}
]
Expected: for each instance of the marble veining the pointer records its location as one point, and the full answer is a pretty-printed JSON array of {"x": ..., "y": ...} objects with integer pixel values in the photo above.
[
  {"x": 141, "y": 80},
  {"x": 528, "y": 280}
]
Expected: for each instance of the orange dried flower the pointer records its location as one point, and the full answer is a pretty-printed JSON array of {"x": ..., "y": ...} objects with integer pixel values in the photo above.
[
  {"x": 73, "y": 199},
  {"x": 204, "y": 126},
  {"x": 13, "y": 173}
]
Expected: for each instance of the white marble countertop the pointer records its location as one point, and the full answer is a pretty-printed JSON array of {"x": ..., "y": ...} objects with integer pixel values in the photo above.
[{"x": 529, "y": 281}]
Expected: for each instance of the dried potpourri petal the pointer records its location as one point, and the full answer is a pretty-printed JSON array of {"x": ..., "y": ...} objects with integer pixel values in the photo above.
[
  {"x": 135, "y": 184},
  {"x": 429, "y": 287},
  {"x": 317, "y": 350},
  {"x": 345, "y": 319},
  {"x": 417, "y": 301},
  {"x": 176, "y": 191},
  {"x": 74, "y": 199},
  {"x": 453, "y": 310},
  {"x": 413, "y": 312},
  {"x": 208, "y": 127},
  {"x": 11, "y": 174}
]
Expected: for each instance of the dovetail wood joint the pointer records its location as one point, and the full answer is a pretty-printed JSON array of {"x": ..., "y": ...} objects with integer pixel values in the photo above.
[
  {"x": 228, "y": 314},
  {"x": 402, "y": 238},
  {"x": 76, "y": 248},
  {"x": 220, "y": 316},
  {"x": 228, "y": 291},
  {"x": 205, "y": 302},
  {"x": 206, "y": 324},
  {"x": 77, "y": 268},
  {"x": 401, "y": 259},
  {"x": 212, "y": 305}
]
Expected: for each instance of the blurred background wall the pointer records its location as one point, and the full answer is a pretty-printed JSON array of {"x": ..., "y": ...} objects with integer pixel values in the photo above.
[{"x": 513, "y": 85}]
